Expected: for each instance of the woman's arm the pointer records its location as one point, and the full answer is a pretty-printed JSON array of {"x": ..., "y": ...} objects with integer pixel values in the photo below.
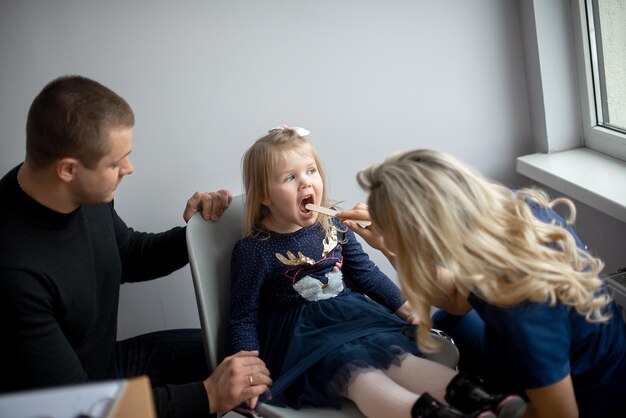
[
  {"x": 363, "y": 276},
  {"x": 370, "y": 234},
  {"x": 451, "y": 299},
  {"x": 553, "y": 401}
]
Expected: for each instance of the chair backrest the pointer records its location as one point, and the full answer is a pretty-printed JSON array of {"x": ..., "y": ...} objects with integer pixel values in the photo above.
[{"x": 210, "y": 245}]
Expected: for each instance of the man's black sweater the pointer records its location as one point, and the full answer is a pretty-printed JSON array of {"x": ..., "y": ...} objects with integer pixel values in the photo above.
[{"x": 60, "y": 277}]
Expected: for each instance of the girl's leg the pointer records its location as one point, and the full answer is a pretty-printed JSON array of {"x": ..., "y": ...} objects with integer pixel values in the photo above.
[
  {"x": 419, "y": 375},
  {"x": 376, "y": 395}
]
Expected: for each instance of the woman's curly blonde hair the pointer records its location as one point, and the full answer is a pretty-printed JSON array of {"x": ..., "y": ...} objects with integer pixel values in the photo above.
[{"x": 436, "y": 211}]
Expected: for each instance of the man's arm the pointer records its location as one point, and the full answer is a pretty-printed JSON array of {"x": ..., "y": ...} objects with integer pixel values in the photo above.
[
  {"x": 147, "y": 256},
  {"x": 35, "y": 352}
]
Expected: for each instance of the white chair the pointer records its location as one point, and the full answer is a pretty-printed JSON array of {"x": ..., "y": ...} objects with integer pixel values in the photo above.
[{"x": 210, "y": 245}]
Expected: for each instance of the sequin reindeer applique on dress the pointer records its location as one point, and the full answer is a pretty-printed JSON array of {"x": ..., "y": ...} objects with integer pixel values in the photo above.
[{"x": 315, "y": 286}]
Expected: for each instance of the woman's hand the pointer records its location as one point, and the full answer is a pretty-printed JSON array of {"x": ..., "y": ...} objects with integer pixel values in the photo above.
[{"x": 371, "y": 234}]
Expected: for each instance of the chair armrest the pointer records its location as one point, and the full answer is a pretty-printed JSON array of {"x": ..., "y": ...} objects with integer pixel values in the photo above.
[{"x": 448, "y": 355}]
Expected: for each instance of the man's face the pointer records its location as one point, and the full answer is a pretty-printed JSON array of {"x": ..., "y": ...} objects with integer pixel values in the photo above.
[{"x": 98, "y": 185}]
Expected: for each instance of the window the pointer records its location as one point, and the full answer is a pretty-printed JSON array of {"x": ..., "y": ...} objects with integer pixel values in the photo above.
[
  {"x": 601, "y": 48},
  {"x": 587, "y": 164},
  {"x": 607, "y": 21}
]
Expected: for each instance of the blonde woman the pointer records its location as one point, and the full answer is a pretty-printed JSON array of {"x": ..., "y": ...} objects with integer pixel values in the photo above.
[{"x": 460, "y": 241}]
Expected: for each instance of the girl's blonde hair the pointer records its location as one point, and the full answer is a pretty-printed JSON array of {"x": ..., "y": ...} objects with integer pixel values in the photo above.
[
  {"x": 260, "y": 161},
  {"x": 436, "y": 211}
]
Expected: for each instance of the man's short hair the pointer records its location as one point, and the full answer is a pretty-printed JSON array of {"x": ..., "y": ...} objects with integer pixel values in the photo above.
[{"x": 71, "y": 117}]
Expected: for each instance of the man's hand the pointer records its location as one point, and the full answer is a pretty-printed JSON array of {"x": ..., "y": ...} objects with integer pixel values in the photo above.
[
  {"x": 240, "y": 378},
  {"x": 211, "y": 204}
]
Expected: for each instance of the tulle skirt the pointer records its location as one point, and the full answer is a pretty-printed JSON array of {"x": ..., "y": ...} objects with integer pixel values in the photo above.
[{"x": 313, "y": 350}]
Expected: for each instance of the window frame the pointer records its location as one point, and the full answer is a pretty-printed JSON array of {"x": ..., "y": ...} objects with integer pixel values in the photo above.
[
  {"x": 596, "y": 137},
  {"x": 573, "y": 155}
]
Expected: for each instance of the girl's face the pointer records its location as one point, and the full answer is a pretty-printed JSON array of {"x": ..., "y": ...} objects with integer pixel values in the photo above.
[{"x": 294, "y": 182}]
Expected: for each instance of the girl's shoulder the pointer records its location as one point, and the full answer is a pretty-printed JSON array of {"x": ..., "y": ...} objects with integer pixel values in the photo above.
[
  {"x": 263, "y": 240},
  {"x": 249, "y": 244}
]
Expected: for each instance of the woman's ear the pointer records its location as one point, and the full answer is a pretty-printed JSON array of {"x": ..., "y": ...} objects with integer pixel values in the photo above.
[{"x": 66, "y": 169}]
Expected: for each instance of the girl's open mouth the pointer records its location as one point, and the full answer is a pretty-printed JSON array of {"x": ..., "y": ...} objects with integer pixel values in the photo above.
[{"x": 304, "y": 202}]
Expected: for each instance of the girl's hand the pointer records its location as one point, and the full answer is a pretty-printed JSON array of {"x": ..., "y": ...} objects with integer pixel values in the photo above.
[{"x": 405, "y": 312}]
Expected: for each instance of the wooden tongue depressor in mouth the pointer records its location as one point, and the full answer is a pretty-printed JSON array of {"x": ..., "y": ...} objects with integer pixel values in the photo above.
[{"x": 332, "y": 212}]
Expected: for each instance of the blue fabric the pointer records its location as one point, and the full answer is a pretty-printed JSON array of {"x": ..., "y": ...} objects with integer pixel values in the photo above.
[
  {"x": 550, "y": 216},
  {"x": 468, "y": 333},
  {"x": 534, "y": 345},
  {"x": 310, "y": 328}
]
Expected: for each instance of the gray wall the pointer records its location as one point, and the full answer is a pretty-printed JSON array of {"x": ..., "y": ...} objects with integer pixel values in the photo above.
[{"x": 206, "y": 78}]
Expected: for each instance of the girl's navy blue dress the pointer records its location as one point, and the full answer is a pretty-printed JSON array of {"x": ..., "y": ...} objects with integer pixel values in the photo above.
[{"x": 289, "y": 300}]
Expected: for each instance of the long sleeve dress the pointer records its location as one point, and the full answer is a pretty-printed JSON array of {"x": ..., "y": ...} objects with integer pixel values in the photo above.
[{"x": 289, "y": 300}]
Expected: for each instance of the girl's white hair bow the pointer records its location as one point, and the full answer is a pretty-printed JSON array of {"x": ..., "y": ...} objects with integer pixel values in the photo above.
[{"x": 298, "y": 130}]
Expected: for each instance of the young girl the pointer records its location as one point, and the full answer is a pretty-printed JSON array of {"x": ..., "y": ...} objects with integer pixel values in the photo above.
[
  {"x": 459, "y": 241},
  {"x": 320, "y": 340}
]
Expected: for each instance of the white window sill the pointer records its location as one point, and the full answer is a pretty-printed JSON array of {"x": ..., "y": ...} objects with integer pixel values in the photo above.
[{"x": 583, "y": 174}]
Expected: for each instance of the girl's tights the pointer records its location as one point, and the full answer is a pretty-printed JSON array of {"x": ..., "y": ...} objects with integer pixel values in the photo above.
[{"x": 392, "y": 392}]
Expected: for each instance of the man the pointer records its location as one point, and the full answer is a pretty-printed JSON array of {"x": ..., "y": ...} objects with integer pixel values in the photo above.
[{"x": 65, "y": 253}]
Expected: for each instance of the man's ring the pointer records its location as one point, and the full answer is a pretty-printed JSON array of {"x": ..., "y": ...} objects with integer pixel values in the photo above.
[{"x": 251, "y": 380}]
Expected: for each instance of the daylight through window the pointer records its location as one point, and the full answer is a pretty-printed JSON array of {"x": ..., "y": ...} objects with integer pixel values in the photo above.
[{"x": 607, "y": 39}]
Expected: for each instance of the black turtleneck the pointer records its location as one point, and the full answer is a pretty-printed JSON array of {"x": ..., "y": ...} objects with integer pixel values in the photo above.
[{"x": 60, "y": 277}]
